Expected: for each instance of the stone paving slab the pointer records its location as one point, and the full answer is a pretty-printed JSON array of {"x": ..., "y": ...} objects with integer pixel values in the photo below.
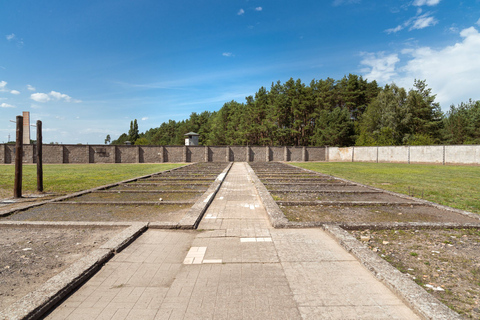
[{"x": 236, "y": 266}]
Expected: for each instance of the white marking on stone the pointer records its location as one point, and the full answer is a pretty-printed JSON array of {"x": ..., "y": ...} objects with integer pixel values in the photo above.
[
  {"x": 195, "y": 255},
  {"x": 255, "y": 239},
  {"x": 213, "y": 261},
  {"x": 221, "y": 176}
]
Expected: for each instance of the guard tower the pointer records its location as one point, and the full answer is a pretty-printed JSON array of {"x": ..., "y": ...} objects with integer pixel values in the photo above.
[{"x": 191, "y": 139}]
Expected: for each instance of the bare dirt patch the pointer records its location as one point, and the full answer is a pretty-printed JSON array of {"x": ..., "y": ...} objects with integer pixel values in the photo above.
[
  {"x": 125, "y": 196},
  {"x": 103, "y": 212},
  {"x": 445, "y": 262},
  {"x": 29, "y": 256},
  {"x": 372, "y": 214}
]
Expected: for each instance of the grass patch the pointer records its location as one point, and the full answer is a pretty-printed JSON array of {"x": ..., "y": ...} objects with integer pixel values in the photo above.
[
  {"x": 66, "y": 178},
  {"x": 454, "y": 186}
]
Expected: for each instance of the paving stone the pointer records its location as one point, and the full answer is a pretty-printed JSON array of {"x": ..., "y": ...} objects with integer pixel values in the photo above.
[{"x": 236, "y": 266}]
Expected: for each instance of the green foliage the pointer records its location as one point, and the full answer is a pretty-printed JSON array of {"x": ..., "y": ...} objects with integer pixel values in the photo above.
[
  {"x": 397, "y": 118},
  {"x": 462, "y": 124},
  {"x": 345, "y": 112}
]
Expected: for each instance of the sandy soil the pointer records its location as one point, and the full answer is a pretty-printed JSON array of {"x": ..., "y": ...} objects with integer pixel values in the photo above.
[
  {"x": 445, "y": 262},
  {"x": 29, "y": 256}
]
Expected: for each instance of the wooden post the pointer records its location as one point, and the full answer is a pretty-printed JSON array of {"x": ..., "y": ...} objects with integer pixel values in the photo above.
[
  {"x": 39, "y": 157},
  {"x": 17, "y": 190}
]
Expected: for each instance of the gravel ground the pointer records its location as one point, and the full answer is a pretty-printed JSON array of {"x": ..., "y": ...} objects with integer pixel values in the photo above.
[
  {"x": 29, "y": 256},
  {"x": 445, "y": 262},
  {"x": 105, "y": 212},
  {"x": 372, "y": 214}
]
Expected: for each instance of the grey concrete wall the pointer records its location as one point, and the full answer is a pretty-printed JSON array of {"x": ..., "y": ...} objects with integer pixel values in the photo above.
[
  {"x": 218, "y": 153},
  {"x": 151, "y": 154},
  {"x": 238, "y": 153},
  {"x": 398, "y": 154},
  {"x": 462, "y": 154},
  {"x": 458, "y": 154},
  {"x": 365, "y": 154},
  {"x": 426, "y": 154}
]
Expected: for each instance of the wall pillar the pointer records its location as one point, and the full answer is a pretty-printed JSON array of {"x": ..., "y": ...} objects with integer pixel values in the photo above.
[
  {"x": 248, "y": 153},
  {"x": 353, "y": 154},
  {"x": 285, "y": 154},
  {"x": 185, "y": 153},
  {"x": 137, "y": 156},
  {"x": 206, "y": 154},
  {"x": 88, "y": 154},
  {"x": 162, "y": 154},
  {"x": 267, "y": 153},
  {"x": 304, "y": 154},
  {"x": 227, "y": 153}
]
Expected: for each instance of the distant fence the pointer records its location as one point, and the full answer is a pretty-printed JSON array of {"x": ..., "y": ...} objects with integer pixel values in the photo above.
[
  {"x": 159, "y": 154},
  {"x": 458, "y": 154}
]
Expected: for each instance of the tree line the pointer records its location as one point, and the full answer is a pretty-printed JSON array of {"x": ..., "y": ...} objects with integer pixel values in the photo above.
[{"x": 345, "y": 112}]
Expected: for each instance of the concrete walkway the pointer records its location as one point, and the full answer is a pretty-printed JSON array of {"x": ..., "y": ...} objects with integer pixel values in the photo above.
[{"x": 235, "y": 266}]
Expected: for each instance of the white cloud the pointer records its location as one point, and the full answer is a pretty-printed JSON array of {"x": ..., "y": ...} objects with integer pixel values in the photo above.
[
  {"x": 144, "y": 118},
  {"x": 380, "y": 67},
  {"x": 3, "y": 84},
  {"x": 423, "y": 21},
  {"x": 53, "y": 95},
  {"x": 10, "y": 37},
  {"x": 15, "y": 92},
  {"x": 6, "y": 105},
  {"x": 240, "y": 12},
  {"x": 258, "y": 9},
  {"x": 60, "y": 96},
  {"x": 453, "y": 72},
  {"x": 419, "y": 3},
  {"x": 227, "y": 54},
  {"x": 40, "y": 97},
  {"x": 415, "y": 23},
  {"x": 337, "y": 3},
  {"x": 31, "y": 88},
  {"x": 478, "y": 22}
]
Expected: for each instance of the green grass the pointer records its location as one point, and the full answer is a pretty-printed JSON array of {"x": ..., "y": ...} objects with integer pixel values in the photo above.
[
  {"x": 454, "y": 186},
  {"x": 66, "y": 178}
]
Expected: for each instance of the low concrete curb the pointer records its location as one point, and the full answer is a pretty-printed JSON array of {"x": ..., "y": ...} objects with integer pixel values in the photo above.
[
  {"x": 275, "y": 215},
  {"x": 36, "y": 303},
  {"x": 194, "y": 215},
  {"x": 419, "y": 300},
  {"x": 79, "y": 193}
]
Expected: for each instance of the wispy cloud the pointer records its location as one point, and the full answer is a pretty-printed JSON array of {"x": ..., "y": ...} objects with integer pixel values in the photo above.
[
  {"x": 31, "y": 88},
  {"x": 6, "y": 105},
  {"x": 420, "y": 3},
  {"x": 337, "y": 3},
  {"x": 453, "y": 72},
  {"x": 144, "y": 118},
  {"x": 53, "y": 95},
  {"x": 15, "y": 92},
  {"x": 13, "y": 38},
  {"x": 420, "y": 21},
  {"x": 478, "y": 22},
  {"x": 228, "y": 54},
  {"x": 3, "y": 85},
  {"x": 258, "y": 9},
  {"x": 240, "y": 12}
]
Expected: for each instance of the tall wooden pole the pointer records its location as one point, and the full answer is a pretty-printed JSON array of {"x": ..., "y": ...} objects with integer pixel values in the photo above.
[
  {"x": 39, "y": 157},
  {"x": 17, "y": 191}
]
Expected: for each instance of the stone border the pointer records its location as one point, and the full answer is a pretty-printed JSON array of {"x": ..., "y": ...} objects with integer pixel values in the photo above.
[
  {"x": 275, "y": 215},
  {"x": 419, "y": 300},
  {"x": 36, "y": 303},
  {"x": 194, "y": 215},
  {"x": 79, "y": 193}
]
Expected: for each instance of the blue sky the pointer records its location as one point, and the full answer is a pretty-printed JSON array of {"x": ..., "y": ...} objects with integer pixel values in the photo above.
[{"x": 87, "y": 68}]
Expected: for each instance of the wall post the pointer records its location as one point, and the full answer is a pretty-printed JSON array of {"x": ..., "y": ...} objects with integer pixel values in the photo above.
[
  {"x": 17, "y": 190},
  {"x": 184, "y": 153},
  {"x": 285, "y": 154},
  {"x": 267, "y": 153},
  {"x": 40, "y": 157},
  {"x": 304, "y": 154}
]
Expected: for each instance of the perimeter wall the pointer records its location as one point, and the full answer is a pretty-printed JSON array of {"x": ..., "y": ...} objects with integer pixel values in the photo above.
[
  {"x": 158, "y": 154},
  {"x": 457, "y": 154}
]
